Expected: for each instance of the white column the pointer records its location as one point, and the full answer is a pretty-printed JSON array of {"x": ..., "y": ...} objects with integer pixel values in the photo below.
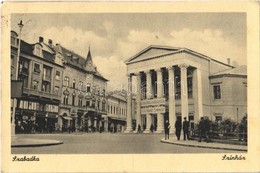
[
  {"x": 129, "y": 106},
  {"x": 138, "y": 100},
  {"x": 159, "y": 83},
  {"x": 148, "y": 123},
  {"x": 172, "y": 112},
  {"x": 197, "y": 90},
  {"x": 160, "y": 123},
  {"x": 160, "y": 116},
  {"x": 184, "y": 91},
  {"x": 148, "y": 84}
]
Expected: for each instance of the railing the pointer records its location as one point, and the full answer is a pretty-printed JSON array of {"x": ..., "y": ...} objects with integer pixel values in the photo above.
[
  {"x": 41, "y": 93},
  {"x": 46, "y": 78}
]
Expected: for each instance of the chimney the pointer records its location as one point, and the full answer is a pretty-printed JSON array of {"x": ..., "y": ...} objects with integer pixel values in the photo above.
[
  {"x": 41, "y": 39},
  {"x": 228, "y": 61},
  {"x": 50, "y": 42}
]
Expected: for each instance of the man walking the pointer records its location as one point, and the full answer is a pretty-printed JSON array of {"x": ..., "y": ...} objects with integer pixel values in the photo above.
[
  {"x": 186, "y": 129},
  {"x": 178, "y": 128},
  {"x": 167, "y": 129}
]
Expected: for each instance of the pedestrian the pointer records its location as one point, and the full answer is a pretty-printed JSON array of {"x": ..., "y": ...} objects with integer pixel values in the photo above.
[
  {"x": 203, "y": 127},
  {"x": 167, "y": 129},
  {"x": 186, "y": 129},
  {"x": 139, "y": 128},
  {"x": 178, "y": 128}
]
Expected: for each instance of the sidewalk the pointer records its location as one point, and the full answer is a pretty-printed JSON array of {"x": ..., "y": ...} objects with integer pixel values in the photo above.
[
  {"x": 195, "y": 143},
  {"x": 27, "y": 142}
]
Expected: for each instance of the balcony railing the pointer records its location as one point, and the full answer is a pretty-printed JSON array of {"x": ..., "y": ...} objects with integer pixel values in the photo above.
[{"x": 41, "y": 93}]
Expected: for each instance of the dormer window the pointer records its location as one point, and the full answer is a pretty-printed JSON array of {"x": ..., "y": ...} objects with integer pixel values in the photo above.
[
  {"x": 37, "y": 50},
  {"x": 14, "y": 40},
  {"x": 58, "y": 59}
]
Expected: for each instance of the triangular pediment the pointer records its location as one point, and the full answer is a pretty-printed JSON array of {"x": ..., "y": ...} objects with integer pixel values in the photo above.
[{"x": 150, "y": 52}]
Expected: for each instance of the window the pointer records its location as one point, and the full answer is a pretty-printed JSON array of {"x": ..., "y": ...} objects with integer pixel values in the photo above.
[
  {"x": 217, "y": 92},
  {"x": 46, "y": 73},
  {"x": 178, "y": 87},
  {"x": 36, "y": 68},
  {"x": 37, "y": 50},
  {"x": 74, "y": 83},
  {"x": 56, "y": 90},
  {"x": 35, "y": 85},
  {"x": 88, "y": 88},
  {"x": 57, "y": 76},
  {"x": 66, "y": 81},
  {"x": 46, "y": 87},
  {"x": 189, "y": 82},
  {"x": 65, "y": 99},
  {"x": 13, "y": 41},
  {"x": 23, "y": 71},
  {"x": 80, "y": 102},
  {"x": 87, "y": 103},
  {"x": 73, "y": 100}
]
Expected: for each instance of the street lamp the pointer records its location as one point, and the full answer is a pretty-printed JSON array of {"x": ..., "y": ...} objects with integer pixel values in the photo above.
[{"x": 16, "y": 76}]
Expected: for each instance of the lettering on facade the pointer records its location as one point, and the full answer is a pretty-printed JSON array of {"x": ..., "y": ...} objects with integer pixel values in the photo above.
[
  {"x": 153, "y": 102},
  {"x": 156, "y": 109}
]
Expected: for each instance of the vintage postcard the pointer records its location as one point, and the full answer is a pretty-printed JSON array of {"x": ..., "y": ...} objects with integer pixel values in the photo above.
[{"x": 130, "y": 87}]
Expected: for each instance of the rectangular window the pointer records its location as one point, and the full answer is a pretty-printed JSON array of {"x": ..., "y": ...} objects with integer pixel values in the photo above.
[
  {"x": 88, "y": 88},
  {"x": 217, "y": 92},
  {"x": 189, "y": 83},
  {"x": 56, "y": 90},
  {"x": 46, "y": 87},
  {"x": 57, "y": 76},
  {"x": 87, "y": 103},
  {"x": 13, "y": 41},
  {"x": 36, "y": 68},
  {"x": 35, "y": 85}
]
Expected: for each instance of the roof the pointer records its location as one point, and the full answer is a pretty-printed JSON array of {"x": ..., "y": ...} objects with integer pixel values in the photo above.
[
  {"x": 78, "y": 61},
  {"x": 156, "y": 51},
  {"x": 117, "y": 96},
  {"x": 238, "y": 71}
]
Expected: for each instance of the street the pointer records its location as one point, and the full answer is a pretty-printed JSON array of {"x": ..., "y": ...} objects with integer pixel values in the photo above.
[{"x": 108, "y": 143}]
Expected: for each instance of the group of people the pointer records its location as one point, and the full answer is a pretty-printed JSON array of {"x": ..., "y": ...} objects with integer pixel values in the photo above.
[
  {"x": 178, "y": 127},
  {"x": 204, "y": 128}
]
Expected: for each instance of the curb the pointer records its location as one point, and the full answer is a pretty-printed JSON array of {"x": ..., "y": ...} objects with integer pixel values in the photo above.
[
  {"x": 200, "y": 146},
  {"x": 25, "y": 144}
]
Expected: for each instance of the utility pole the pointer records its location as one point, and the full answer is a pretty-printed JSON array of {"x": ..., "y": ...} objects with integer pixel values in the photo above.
[{"x": 16, "y": 76}]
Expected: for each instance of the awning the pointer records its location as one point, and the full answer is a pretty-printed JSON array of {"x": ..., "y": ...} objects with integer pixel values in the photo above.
[{"x": 117, "y": 118}]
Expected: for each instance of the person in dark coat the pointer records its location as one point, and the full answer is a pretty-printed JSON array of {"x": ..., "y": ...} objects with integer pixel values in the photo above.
[
  {"x": 203, "y": 128},
  {"x": 178, "y": 128},
  {"x": 139, "y": 128},
  {"x": 167, "y": 129},
  {"x": 186, "y": 129}
]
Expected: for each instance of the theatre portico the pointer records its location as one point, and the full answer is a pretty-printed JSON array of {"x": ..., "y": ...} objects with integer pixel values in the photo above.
[{"x": 169, "y": 83}]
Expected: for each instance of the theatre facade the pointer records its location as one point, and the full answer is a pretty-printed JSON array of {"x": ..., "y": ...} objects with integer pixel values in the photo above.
[{"x": 172, "y": 83}]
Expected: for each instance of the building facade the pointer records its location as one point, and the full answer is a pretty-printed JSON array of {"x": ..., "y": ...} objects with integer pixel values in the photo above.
[
  {"x": 83, "y": 102},
  {"x": 172, "y": 83},
  {"x": 62, "y": 91},
  {"x": 116, "y": 112},
  {"x": 41, "y": 71}
]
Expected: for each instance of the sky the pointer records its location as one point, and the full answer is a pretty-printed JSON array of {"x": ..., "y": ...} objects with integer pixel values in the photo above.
[{"x": 115, "y": 37}]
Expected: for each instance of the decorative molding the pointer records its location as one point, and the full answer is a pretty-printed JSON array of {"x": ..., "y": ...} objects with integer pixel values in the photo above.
[{"x": 183, "y": 66}]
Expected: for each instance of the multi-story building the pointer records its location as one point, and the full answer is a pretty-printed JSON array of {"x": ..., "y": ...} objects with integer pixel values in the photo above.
[
  {"x": 116, "y": 112},
  {"x": 83, "y": 103},
  {"x": 60, "y": 88},
  {"x": 41, "y": 71},
  {"x": 177, "y": 82}
]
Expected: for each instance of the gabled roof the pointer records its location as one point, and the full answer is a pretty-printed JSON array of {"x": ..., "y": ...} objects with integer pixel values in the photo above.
[
  {"x": 238, "y": 71},
  {"x": 155, "y": 51}
]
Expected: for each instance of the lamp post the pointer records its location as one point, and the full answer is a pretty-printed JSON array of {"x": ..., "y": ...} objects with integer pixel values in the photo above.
[{"x": 16, "y": 76}]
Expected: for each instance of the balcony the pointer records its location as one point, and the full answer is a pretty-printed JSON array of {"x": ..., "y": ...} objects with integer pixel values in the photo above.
[{"x": 41, "y": 94}]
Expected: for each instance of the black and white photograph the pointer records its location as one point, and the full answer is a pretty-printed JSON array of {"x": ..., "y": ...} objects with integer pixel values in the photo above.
[{"x": 128, "y": 83}]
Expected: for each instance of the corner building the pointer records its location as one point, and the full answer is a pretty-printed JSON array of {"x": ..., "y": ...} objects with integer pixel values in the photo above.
[{"x": 173, "y": 83}]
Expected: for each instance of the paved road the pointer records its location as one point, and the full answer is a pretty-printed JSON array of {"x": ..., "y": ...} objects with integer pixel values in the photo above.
[{"x": 107, "y": 143}]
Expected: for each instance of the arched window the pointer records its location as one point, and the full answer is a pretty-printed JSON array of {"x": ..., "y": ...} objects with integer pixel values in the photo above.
[
  {"x": 74, "y": 83},
  {"x": 66, "y": 81}
]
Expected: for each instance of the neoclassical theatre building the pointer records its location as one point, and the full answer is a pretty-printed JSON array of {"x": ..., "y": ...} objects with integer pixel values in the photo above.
[{"x": 172, "y": 83}]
